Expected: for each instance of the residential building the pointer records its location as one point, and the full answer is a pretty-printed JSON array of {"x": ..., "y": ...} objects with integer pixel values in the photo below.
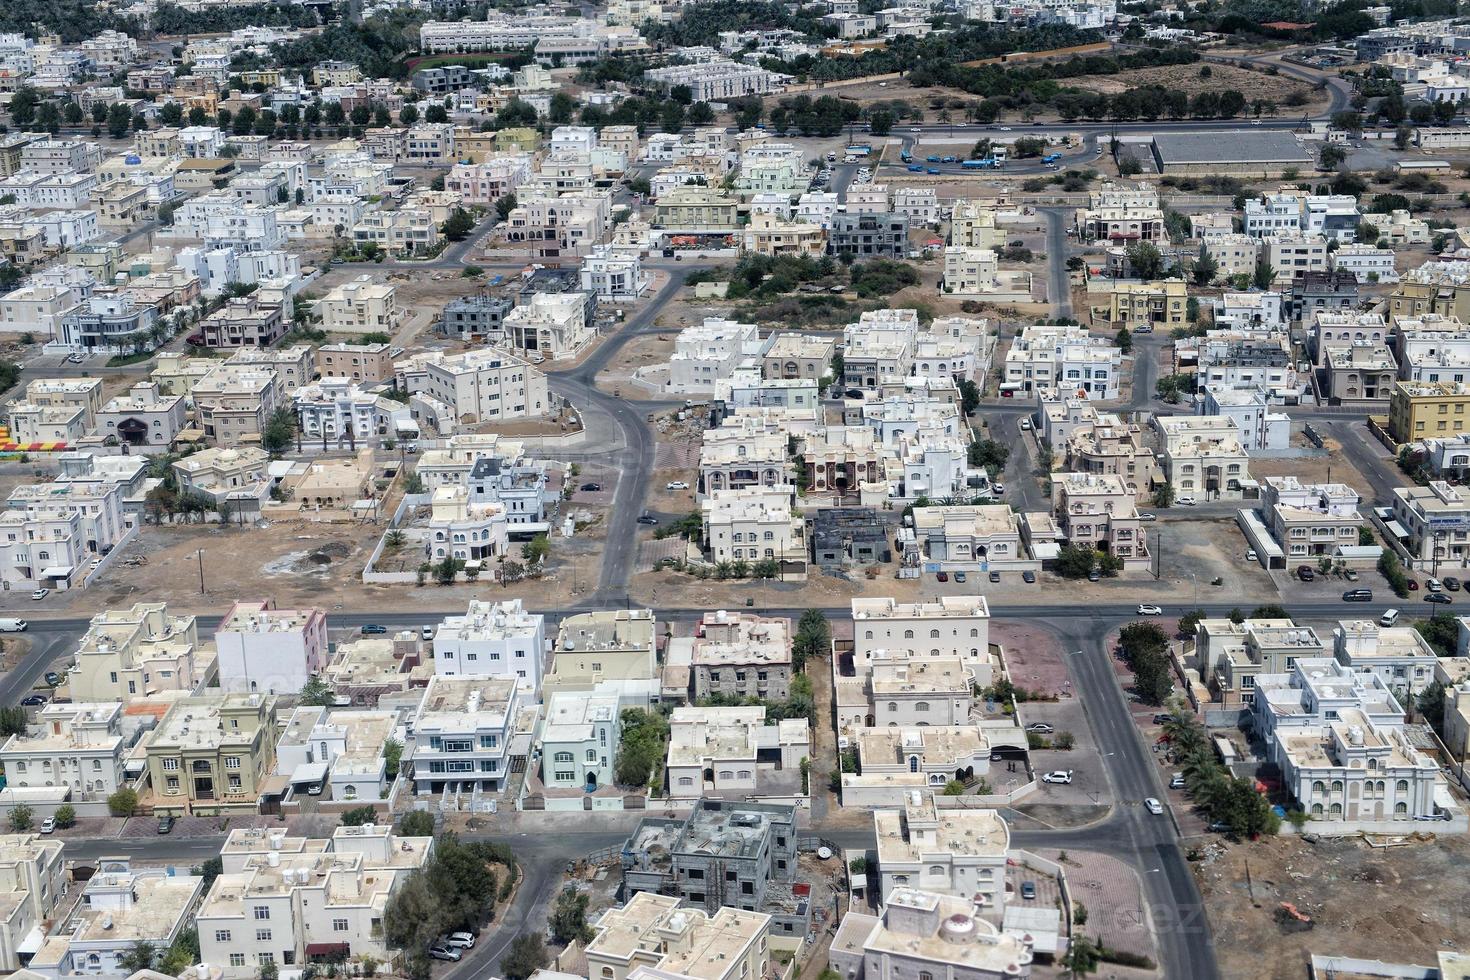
[
  {"x": 1161, "y": 303},
  {"x": 1292, "y": 256},
  {"x": 365, "y": 364},
  {"x": 497, "y": 640},
  {"x": 33, "y": 874},
  {"x": 1234, "y": 255},
  {"x": 709, "y": 352},
  {"x": 338, "y": 752},
  {"x": 211, "y": 753},
  {"x": 1432, "y": 525},
  {"x": 741, "y": 655},
  {"x": 244, "y": 322},
  {"x": 1204, "y": 454},
  {"x": 1258, "y": 428},
  {"x": 1361, "y": 371},
  {"x": 1368, "y": 262},
  {"x": 471, "y": 315},
  {"x": 770, "y": 235},
  {"x": 79, "y": 745},
  {"x": 733, "y": 753},
  {"x": 720, "y": 79},
  {"x": 606, "y": 652},
  {"x": 579, "y": 741},
  {"x": 1050, "y": 361},
  {"x": 477, "y": 386},
  {"x": 1310, "y": 520},
  {"x": 1422, "y": 410},
  {"x": 1338, "y": 737},
  {"x": 613, "y": 274},
  {"x": 660, "y": 936},
  {"x": 262, "y": 648},
  {"x": 144, "y": 419},
  {"x": 128, "y": 653},
  {"x": 913, "y": 935},
  {"x": 971, "y": 537},
  {"x": 754, "y": 525},
  {"x": 553, "y": 325},
  {"x": 970, "y": 270},
  {"x": 360, "y": 306},
  {"x": 960, "y": 852},
  {"x": 753, "y": 844},
  {"x": 793, "y": 355},
  {"x": 461, "y": 735},
  {"x": 1398, "y": 655},
  {"x": 869, "y": 235},
  {"x": 955, "y": 627},
  {"x": 236, "y": 480},
  {"x": 1232, "y": 656},
  {"x": 233, "y": 403},
  {"x": 1099, "y": 511}
]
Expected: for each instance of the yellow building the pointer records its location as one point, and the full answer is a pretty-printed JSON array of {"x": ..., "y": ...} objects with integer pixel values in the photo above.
[
  {"x": 212, "y": 752},
  {"x": 517, "y": 138},
  {"x": 697, "y": 209},
  {"x": 1430, "y": 295},
  {"x": 1161, "y": 302},
  {"x": 1428, "y": 409}
]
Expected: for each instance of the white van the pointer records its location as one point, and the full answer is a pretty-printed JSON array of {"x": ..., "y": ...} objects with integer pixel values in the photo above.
[
  {"x": 1390, "y": 617},
  {"x": 12, "y": 625}
]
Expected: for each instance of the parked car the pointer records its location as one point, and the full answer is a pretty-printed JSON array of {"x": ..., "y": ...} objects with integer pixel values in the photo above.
[
  {"x": 1162, "y": 718},
  {"x": 1358, "y": 595},
  {"x": 1434, "y": 585},
  {"x": 1250, "y": 555},
  {"x": 959, "y": 577},
  {"x": 48, "y": 826},
  {"x": 34, "y": 701},
  {"x": 1029, "y": 577},
  {"x": 1350, "y": 575},
  {"x": 1040, "y": 728},
  {"x": 1185, "y": 501},
  {"x": 997, "y": 488},
  {"x": 995, "y": 576},
  {"x": 77, "y": 358},
  {"x": 648, "y": 519},
  {"x": 426, "y": 633},
  {"x": 676, "y": 485},
  {"x": 440, "y": 951},
  {"x": 166, "y": 824},
  {"x": 460, "y": 940},
  {"x": 1452, "y": 583},
  {"x": 1305, "y": 573},
  {"x": 591, "y": 487},
  {"x": 1413, "y": 585},
  {"x": 53, "y": 678},
  {"x": 1219, "y": 827},
  {"x": 1025, "y": 425},
  {"x": 1058, "y": 776},
  {"x": 1177, "y": 781},
  {"x": 1094, "y": 576},
  {"x": 941, "y": 576},
  {"x": 1438, "y": 597},
  {"x": 1149, "y": 609},
  {"x": 1153, "y": 806},
  {"x": 40, "y": 594},
  {"x": 1148, "y": 517},
  {"x": 1028, "y": 890},
  {"x": 373, "y": 629}
]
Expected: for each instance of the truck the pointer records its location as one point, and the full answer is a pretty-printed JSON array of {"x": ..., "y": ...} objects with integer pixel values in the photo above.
[
  {"x": 860, "y": 149},
  {"x": 12, "y": 625},
  {"x": 906, "y": 156},
  {"x": 984, "y": 164},
  {"x": 1051, "y": 158}
]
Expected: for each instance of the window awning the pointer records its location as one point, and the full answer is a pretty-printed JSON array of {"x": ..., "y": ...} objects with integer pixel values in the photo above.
[
  {"x": 1397, "y": 529},
  {"x": 56, "y": 571}
]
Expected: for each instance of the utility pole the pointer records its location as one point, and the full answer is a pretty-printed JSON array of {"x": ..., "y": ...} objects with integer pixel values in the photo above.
[{"x": 199, "y": 557}]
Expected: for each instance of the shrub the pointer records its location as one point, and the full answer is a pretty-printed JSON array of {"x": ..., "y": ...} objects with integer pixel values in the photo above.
[
  {"x": 66, "y": 815},
  {"x": 123, "y": 803}
]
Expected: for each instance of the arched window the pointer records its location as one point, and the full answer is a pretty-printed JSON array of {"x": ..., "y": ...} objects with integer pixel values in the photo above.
[
  {"x": 908, "y": 634},
  {"x": 974, "y": 634},
  {"x": 933, "y": 634},
  {"x": 913, "y": 763},
  {"x": 892, "y": 705},
  {"x": 921, "y": 706},
  {"x": 1337, "y": 786},
  {"x": 1401, "y": 809},
  {"x": 1402, "y": 786}
]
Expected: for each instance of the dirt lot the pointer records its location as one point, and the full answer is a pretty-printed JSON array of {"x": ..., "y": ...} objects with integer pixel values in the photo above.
[
  {"x": 1397, "y": 904},
  {"x": 1253, "y": 84}
]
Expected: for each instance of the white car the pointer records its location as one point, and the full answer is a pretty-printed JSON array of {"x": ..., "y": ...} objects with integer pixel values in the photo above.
[
  {"x": 1149, "y": 609},
  {"x": 1250, "y": 555},
  {"x": 40, "y": 594},
  {"x": 1185, "y": 501},
  {"x": 1153, "y": 806},
  {"x": 1058, "y": 776},
  {"x": 48, "y": 825},
  {"x": 1148, "y": 517},
  {"x": 1434, "y": 585},
  {"x": 676, "y": 485},
  {"x": 460, "y": 940},
  {"x": 997, "y": 488},
  {"x": 1025, "y": 425}
]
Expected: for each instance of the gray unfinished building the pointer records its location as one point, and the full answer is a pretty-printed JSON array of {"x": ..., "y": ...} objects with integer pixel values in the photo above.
[{"x": 724, "y": 853}]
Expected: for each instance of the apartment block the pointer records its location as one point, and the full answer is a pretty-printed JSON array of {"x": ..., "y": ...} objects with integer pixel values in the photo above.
[
  {"x": 262, "y": 648},
  {"x": 1099, "y": 511},
  {"x": 915, "y": 934},
  {"x": 949, "y": 626},
  {"x": 579, "y": 741},
  {"x": 500, "y": 640},
  {"x": 79, "y": 745},
  {"x": 742, "y": 655},
  {"x": 360, "y": 306},
  {"x": 127, "y": 653},
  {"x": 212, "y": 753},
  {"x": 461, "y": 735}
]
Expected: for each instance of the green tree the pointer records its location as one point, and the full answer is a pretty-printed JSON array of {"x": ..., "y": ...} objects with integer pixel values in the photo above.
[
  {"x": 1188, "y": 623},
  {"x": 316, "y": 692},
  {"x": 392, "y": 757},
  {"x": 1075, "y": 561},
  {"x": 119, "y": 121},
  {"x": 536, "y": 549},
  {"x": 526, "y": 955},
  {"x": 280, "y": 429},
  {"x": 1264, "y": 274},
  {"x": 1124, "y": 340},
  {"x": 21, "y": 818},
  {"x": 505, "y": 205},
  {"x": 211, "y": 869},
  {"x": 123, "y": 803},
  {"x": 569, "y": 918},
  {"x": 358, "y": 816},
  {"x": 13, "y": 721},
  {"x": 458, "y": 225},
  {"x": 1146, "y": 259},
  {"x": 1440, "y": 632},
  {"x": 1273, "y": 610},
  {"x": 416, "y": 823},
  {"x": 813, "y": 638},
  {"x": 1082, "y": 957},
  {"x": 66, "y": 816},
  {"x": 642, "y": 750},
  {"x": 1430, "y": 705},
  {"x": 141, "y": 955},
  {"x": 1205, "y": 268}
]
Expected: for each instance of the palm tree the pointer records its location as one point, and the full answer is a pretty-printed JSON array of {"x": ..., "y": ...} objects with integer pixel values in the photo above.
[{"x": 723, "y": 570}]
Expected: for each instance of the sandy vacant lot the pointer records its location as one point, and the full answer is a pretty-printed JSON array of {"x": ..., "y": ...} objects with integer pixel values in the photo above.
[
  {"x": 1398, "y": 904},
  {"x": 1253, "y": 84}
]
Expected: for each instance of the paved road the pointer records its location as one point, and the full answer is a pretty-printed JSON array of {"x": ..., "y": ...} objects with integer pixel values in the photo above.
[
  {"x": 1058, "y": 250},
  {"x": 634, "y": 456}
]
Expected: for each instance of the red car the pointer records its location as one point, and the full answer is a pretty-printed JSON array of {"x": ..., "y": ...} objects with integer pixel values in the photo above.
[
  {"x": 1413, "y": 585},
  {"x": 942, "y": 576}
]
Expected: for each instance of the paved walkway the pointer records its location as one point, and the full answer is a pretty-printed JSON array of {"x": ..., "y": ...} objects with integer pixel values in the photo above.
[{"x": 1113, "y": 896}]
